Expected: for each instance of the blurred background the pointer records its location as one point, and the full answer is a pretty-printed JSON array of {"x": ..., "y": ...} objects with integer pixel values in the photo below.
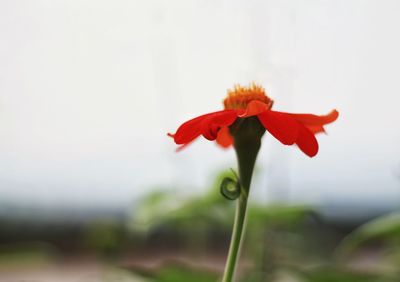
[{"x": 91, "y": 188}]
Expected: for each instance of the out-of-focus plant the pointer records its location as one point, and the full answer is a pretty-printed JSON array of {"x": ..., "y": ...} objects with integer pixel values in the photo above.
[
  {"x": 381, "y": 235},
  {"x": 27, "y": 255},
  {"x": 105, "y": 237},
  {"x": 385, "y": 228},
  {"x": 340, "y": 274},
  {"x": 179, "y": 273},
  {"x": 276, "y": 239},
  {"x": 194, "y": 217}
]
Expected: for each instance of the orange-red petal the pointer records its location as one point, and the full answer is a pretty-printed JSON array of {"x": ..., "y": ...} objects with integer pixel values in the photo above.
[
  {"x": 289, "y": 131},
  {"x": 282, "y": 126},
  {"x": 316, "y": 123},
  {"x": 189, "y": 130},
  {"x": 315, "y": 128},
  {"x": 314, "y": 120},
  {"x": 224, "y": 137},
  {"x": 306, "y": 141},
  {"x": 211, "y": 125},
  {"x": 253, "y": 108},
  {"x": 208, "y": 125}
]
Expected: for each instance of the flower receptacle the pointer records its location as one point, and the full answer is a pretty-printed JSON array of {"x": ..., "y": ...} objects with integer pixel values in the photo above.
[{"x": 247, "y": 134}]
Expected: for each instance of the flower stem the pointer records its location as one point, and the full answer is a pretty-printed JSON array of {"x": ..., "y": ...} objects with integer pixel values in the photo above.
[
  {"x": 246, "y": 151},
  {"x": 237, "y": 232}
]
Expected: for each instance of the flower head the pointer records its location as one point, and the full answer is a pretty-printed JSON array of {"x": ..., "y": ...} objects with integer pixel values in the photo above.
[
  {"x": 240, "y": 96},
  {"x": 251, "y": 103}
]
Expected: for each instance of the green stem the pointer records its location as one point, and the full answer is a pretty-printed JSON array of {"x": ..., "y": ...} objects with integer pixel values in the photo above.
[
  {"x": 237, "y": 232},
  {"x": 246, "y": 151}
]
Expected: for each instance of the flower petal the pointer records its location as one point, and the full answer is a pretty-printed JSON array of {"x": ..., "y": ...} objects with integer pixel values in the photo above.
[
  {"x": 316, "y": 123},
  {"x": 289, "y": 131},
  {"x": 307, "y": 141},
  {"x": 211, "y": 125},
  {"x": 281, "y": 125},
  {"x": 315, "y": 128},
  {"x": 224, "y": 137},
  {"x": 314, "y": 120},
  {"x": 254, "y": 108},
  {"x": 190, "y": 130}
]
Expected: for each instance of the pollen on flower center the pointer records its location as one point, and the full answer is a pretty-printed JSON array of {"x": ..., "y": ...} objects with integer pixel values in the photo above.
[{"x": 240, "y": 96}]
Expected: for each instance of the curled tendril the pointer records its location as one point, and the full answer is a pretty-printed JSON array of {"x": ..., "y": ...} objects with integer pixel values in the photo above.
[{"x": 230, "y": 188}]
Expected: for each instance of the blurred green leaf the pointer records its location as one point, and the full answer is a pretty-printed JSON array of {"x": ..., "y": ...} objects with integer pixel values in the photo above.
[
  {"x": 335, "y": 274},
  {"x": 22, "y": 255},
  {"x": 168, "y": 208},
  {"x": 104, "y": 236},
  {"x": 175, "y": 274},
  {"x": 179, "y": 273},
  {"x": 278, "y": 214},
  {"x": 386, "y": 227}
]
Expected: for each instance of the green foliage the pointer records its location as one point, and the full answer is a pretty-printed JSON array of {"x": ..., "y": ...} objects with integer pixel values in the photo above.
[
  {"x": 33, "y": 254},
  {"x": 179, "y": 273},
  {"x": 105, "y": 237},
  {"x": 336, "y": 274},
  {"x": 278, "y": 214},
  {"x": 385, "y": 228},
  {"x": 212, "y": 209},
  {"x": 167, "y": 208}
]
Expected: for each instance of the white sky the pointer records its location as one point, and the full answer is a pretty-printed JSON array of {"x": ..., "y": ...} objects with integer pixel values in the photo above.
[{"x": 88, "y": 90}]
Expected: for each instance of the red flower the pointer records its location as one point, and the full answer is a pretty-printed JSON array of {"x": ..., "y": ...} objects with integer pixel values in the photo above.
[{"x": 244, "y": 102}]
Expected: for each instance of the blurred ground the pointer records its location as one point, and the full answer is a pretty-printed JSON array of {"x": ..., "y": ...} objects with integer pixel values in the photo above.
[
  {"x": 91, "y": 269},
  {"x": 76, "y": 270}
]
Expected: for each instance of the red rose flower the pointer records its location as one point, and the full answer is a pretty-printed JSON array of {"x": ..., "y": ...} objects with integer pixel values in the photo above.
[{"x": 245, "y": 102}]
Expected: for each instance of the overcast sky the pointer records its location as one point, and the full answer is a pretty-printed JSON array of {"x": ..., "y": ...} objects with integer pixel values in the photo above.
[{"x": 88, "y": 90}]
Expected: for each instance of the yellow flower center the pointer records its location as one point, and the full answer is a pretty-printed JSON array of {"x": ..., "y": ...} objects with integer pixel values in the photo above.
[{"x": 240, "y": 96}]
